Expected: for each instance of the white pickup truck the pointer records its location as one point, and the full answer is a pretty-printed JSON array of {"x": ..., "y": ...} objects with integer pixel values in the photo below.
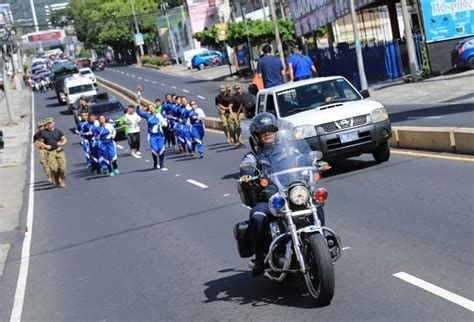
[{"x": 330, "y": 114}]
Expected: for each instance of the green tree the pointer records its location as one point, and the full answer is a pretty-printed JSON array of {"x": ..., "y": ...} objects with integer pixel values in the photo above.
[
  {"x": 102, "y": 23},
  {"x": 62, "y": 18}
]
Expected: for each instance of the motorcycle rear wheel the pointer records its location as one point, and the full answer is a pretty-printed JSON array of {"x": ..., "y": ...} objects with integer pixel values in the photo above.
[{"x": 319, "y": 277}]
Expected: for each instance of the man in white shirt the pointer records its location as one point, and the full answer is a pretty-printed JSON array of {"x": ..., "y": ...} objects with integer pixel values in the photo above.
[{"x": 133, "y": 120}]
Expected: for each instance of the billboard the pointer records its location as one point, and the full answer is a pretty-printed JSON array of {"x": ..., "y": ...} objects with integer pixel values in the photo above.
[
  {"x": 447, "y": 19},
  {"x": 47, "y": 38},
  {"x": 308, "y": 15}
]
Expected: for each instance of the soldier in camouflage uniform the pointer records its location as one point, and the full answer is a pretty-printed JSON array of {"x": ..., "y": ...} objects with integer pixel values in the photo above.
[{"x": 43, "y": 152}]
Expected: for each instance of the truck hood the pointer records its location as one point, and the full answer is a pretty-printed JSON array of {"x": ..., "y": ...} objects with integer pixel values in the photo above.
[{"x": 335, "y": 112}]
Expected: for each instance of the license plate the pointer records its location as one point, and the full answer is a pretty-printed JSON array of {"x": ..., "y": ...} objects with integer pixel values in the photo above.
[{"x": 349, "y": 137}]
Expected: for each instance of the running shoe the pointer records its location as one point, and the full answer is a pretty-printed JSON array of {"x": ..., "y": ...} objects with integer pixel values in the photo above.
[
  {"x": 116, "y": 172},
  {"x": 139, "y": 153},
  {"x": 164, "y": 169},
  {"x": 111, "y": 174}
]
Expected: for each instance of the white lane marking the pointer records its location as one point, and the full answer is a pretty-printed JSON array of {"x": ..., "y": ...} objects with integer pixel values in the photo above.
[
  {"x": 127, "y": 74},
  {"x": 163, "y": 84},
  {"x": 133, "y": 76},
  {"x": 139, "y": 77},
  {"x": 200, "y": 185},
  {"x": 447, "y": 295},
  {"x": 154, "y": 82},
  {"x": 174, "y": 87},
  {"x": 201, "y": 97},
  {"x": 122, "y": 73},
  {"x": 424, "y": 117},
  {"x": 185, "y": 90},
  {"x": 119, "y": 146},
  {"x": 346, "y": 248},
  {"x": 226, "y": 195},
  {"x": 176, "y": 175},
  {"x": 19, "y": 300},
  {"x": 146, "y": 80}
]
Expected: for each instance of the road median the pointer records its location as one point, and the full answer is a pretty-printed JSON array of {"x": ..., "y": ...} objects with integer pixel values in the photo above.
[{"x": 438, "y": 139}]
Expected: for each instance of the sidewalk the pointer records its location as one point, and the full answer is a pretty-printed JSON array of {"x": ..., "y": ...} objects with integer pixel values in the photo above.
[{"x": 13, "y": 167}]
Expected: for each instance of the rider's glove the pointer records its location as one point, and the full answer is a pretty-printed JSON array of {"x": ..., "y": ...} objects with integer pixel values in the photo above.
[{"x": 245, "y": 178}]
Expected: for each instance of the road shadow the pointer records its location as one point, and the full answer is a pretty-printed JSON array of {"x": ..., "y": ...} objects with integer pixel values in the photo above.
[
  {"x": 141, "y": 170},
  {"x": 424, "y": 111},
  {"x": 65, "y": 112},
  {"x": 53, "y": 105},
  {"x": 43, "y": 186},
  {"x": 242, "y": 289},
  {"x": 233, "y": 176}
]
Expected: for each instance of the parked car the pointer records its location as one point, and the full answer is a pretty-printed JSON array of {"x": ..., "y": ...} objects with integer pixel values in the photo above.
[
  {"x": 330, "y": 114},
  {"x": 207, "y": 59},
  {"x": 462, "y": 55},
  {"x": 189, "y": 54}
]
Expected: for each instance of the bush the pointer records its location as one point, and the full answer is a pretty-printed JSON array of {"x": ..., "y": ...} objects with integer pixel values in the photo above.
[
  {"x": 25, "y": 67},
  {"x": 154, "y": 60}
]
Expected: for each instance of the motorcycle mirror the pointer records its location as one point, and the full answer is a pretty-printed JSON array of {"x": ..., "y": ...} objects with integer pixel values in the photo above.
[{"x": 247, "y": 166}]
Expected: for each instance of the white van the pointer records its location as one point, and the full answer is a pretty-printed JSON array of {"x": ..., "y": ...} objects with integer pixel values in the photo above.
[
  {"x": 189, "y": 54},
  {"x": 75, "y": 87},
  {"x": 86, "y": 71}
]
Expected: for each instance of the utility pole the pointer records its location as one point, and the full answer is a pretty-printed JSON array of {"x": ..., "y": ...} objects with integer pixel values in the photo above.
[
  {"x": 6, "y": 83},
  {"x": 271, "y": 3},
  {"x": 249, "y": 45},
  {"x": 360, "y": 60},
  {"x": 263, "y": 10},
  {"x": 164, "y": 7},
  {"x": 139, "y": 61},
  {"x": 35, "y": 21},
  {"x": 410, "y": 42}
]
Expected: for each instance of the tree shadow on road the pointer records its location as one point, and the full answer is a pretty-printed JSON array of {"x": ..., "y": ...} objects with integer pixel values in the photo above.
[
  {"x": 425, "y": 111},
  {"x": 241, "y": 288}
]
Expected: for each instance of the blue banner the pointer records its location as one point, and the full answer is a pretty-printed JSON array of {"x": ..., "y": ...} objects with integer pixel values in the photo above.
[
  {"x": 447, "y": 19},
  {"x": 242, "y": 57}
]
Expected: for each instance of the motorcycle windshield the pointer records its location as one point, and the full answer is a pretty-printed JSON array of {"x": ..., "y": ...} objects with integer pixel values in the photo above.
[{"x": 293, "y": 161}]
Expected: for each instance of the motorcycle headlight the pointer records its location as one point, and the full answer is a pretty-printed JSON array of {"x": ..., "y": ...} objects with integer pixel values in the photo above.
[
  {"x": 299, "y": 195},
  {"x": 304, "y": 131},
  {"x": 379, "y": 115},
  {"x": 276, "y": 204}
]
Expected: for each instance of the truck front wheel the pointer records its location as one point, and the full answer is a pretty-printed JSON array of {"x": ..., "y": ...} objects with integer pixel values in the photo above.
[{"x": 382, "y": 152}]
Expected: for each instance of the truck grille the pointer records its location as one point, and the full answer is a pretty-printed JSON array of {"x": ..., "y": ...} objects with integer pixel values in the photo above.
[{"x": 344, "y": 124}]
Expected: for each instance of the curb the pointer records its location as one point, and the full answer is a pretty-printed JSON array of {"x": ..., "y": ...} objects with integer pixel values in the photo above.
[{"x": 439, "y": 139}]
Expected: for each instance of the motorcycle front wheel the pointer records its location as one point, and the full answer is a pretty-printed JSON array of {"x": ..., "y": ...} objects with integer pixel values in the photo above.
[{"x": 319, "y": 276}]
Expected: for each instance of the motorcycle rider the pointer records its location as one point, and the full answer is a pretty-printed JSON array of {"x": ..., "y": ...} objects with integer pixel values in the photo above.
[{"x": 268, "y": 153}]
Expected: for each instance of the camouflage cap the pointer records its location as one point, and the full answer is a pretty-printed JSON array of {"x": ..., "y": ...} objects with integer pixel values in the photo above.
[
  {"x": 40, "y": 123},
  {"x": 48, "y": 120},
  {"x": 222, "y": 88},
  {"x": 228, "y": 87},
  {"x": 237, "y": 86}
]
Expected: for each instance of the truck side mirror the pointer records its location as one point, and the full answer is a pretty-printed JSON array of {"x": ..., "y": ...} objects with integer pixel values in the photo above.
[{"x": 365, "y": 93}]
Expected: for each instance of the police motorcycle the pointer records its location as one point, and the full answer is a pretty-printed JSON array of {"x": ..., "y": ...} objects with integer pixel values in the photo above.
[{"x": 300, "y": 244}]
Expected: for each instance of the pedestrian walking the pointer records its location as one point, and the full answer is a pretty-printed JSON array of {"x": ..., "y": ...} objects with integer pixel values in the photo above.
[
  {"x": 237, "y": 114},
  {"x": 299, "y": 66},
  {"x": 186, "y": 125},
  {"x": 82, "y": 130},
  {"x": 250, "y": 101},
  {"x": 270, "y": 69},
  {"x": 54, "y": 141},
  {"x": 42, "y": 151},
  {"x": 133, "y": 120},
  {"x": 196, "y": 119},
  {"x": 105, "y": 134},
  {"x": 223, "y": 102},
  {"x": 156, "y": 137}
]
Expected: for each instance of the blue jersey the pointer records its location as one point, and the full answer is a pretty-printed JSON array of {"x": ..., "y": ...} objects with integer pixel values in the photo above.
[
  {"x": 194, "y": 117},
  {"x": 82, "y": 129},
  {"x": 104, "y": 132},
  {"x": 155, "y": 122}
]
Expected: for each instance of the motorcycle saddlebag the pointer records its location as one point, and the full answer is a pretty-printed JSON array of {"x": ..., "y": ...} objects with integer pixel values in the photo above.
[{"x": 242, "y": 236}]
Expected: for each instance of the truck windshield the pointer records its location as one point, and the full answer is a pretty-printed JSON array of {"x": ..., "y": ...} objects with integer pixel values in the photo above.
[
  {"x": 81, "y": 89},
  {"x": 302, "y": 98},
  {"x": 100, "y": 108}
]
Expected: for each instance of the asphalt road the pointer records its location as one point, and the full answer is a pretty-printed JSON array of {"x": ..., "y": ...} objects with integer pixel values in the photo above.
[
  {"x": 149, "y": 245},
  {"x": 156, "y": 84}
]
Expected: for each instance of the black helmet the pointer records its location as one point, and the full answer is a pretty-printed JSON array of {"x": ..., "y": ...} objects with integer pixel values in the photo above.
[{"x": 264, "y": 122}]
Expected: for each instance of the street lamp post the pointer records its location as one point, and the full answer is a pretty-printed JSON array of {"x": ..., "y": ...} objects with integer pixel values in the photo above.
[
  {"x": 360, "y": 60},
  {"x": 137, "y": 30},
  {"x": 35, "y": 21},
  {"x": 164, "y": 7},
  {"x": 271, "y": 3},
  {"x": 410, "y": 42}
]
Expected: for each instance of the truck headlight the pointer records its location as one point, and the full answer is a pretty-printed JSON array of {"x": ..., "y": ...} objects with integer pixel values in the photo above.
[
  {"x": 379, "y": 115},
  {"x": 299, "y": 195},
  {"x": 304, "y": 131}
]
